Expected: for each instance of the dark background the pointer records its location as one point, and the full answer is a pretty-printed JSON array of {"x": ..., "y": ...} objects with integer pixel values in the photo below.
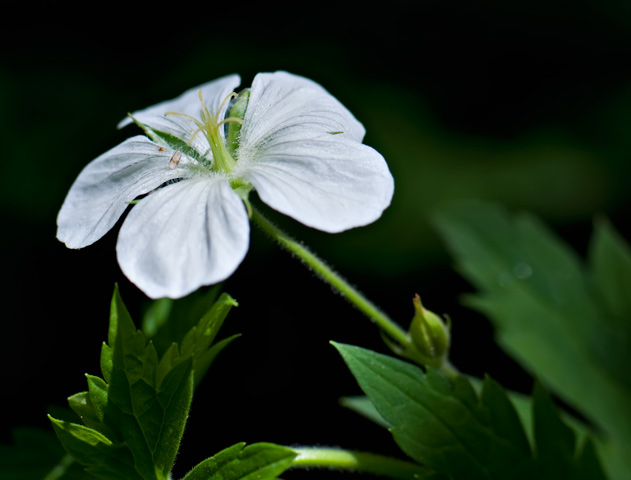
[{"x": 527, "y": 104}]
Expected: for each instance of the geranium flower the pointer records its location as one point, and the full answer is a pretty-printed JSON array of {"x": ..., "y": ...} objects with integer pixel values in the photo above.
[{"x": 286, "y": 137}]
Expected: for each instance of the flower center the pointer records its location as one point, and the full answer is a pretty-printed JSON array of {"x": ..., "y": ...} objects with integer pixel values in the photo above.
[{"x": 210, "y": 127}]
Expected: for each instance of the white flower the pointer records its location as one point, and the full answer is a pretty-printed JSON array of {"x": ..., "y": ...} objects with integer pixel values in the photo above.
[{"x": 295, "y": 145}]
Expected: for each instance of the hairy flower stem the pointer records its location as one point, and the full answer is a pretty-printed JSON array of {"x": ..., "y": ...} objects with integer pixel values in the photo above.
[
  {"x": 349, "y": 292},
  {"x": 337, "y": 459}
]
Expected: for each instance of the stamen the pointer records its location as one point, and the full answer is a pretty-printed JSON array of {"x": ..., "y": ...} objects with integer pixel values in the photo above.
[
  {"x": 190, "y": 140},
  {"x": 206, "y": 115},
  {"x": 175, "y": 159},
  {"x": 223, "y": 104},
  {"x": 209, "y": 125},
  {"x": 188, "y": 117},
  {"x": 230, "y": 119}
]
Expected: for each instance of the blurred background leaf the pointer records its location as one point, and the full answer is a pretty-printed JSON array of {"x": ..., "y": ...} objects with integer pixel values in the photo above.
[
  {"x": 557, "y": 316},
  {"x": 527, "y": 103},
  {"x": 36, "y": 453}
]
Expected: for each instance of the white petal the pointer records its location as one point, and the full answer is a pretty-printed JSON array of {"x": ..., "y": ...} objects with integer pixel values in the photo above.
[
  {"x": 188, "y": 103},
  {"x": 100, "y": 193},
  {"x": 281, "y": 100},
  {"x": 330, "y": 183},
  {"x": 192, "y": 233}
]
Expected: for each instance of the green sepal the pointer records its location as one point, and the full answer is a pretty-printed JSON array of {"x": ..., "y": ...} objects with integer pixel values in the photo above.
[{"x": 259, "y": 461}]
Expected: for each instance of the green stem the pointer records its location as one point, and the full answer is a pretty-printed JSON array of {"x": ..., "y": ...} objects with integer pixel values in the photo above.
[
  {"x": 336, "y": 459},
  {"x": 332, "y": 278},
  {"x": 60, "y": 469}
]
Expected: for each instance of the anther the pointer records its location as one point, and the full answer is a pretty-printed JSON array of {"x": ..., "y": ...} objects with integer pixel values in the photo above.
[{"x": 175, "y": 159}]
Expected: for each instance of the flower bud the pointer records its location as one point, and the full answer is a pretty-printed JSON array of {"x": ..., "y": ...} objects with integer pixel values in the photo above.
[{"x": 430, "y": 335}]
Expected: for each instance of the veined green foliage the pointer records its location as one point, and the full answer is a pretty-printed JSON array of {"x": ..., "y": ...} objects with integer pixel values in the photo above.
[
  {"x": 566, "y": 321},
  {"x": 259, "y": 461},
  {"x": 446, "y": 426},
  {"x": 134, "y": 417}
]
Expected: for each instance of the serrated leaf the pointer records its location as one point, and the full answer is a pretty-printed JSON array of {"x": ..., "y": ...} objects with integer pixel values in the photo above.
[
  {"x": 523, "y": 407},
  {"x": 362, "y": 405},
  {"x": 556, "y": 447},
  {"x": 98, "y": 392},
  {"x": 204, "y": 359},
  {"x": 167, "y": 321},
  {"x": 442, "y": 426},
  {"x": 259, "y": 461},
  {"x": 555, "y": 441},
  {"x": 101, "y": 457},
  {"x": 610, "y": 259},
  {"x": 151, "y": 416},
  {"x": 199, "y": 338},
  {"x": 141, "y": 406},
  {"x": 449, "y": 428},
  {"x": 174, "y": 395},
  {"x": 168, "y": 361},
  {"x": 81, "y": 404},
  {"x": 106, "y": 362},
  {"x": 552, "y": 314},
  {"x": 504, "y": 420},
  {"x": 197, "y": 343},
  {"x": 589, "y": 467}
]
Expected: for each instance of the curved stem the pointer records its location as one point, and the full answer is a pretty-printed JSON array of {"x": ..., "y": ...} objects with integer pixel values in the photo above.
[
  {"x": 336, "y": 459},
  {"x": 332, "y": 278}
]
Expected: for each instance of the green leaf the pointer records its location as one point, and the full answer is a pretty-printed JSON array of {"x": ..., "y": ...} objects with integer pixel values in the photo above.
[
  {"x": 134, "y": 418},
  {"x": 101, "y": 456},
  {"x": 167, "y": 321},
  {"x": 567, "y": 323},
  {"x": 610, "y": 259},
  {"x": 151, "y": 414},
  {"x": 259, "y": 461},
  {"x": 523, "y": 407},
  {"x": 197, "y": 342},
  {"x": 554, "y": 439},
  {"x": 362, "y": 405},
  {"x": 557, "y": 454},
  {"x": 589, "y": 467},
  {"x": 36, "y": 454},
  {"x": 447, "y": 428},
  {"x": 81, "y": 404}
]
